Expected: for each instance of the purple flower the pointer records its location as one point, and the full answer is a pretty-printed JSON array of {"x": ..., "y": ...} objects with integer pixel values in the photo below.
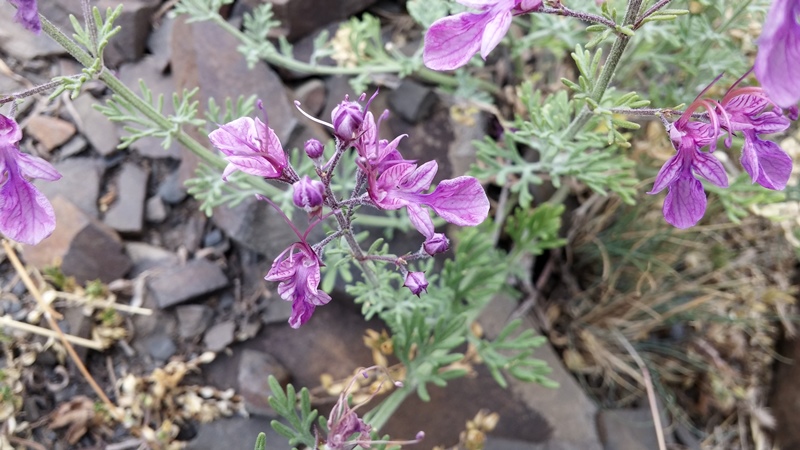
[
  {"x": 435, "y": 244},
  {"x": 25, "y": 213},
  {"x": 346, "y": 118},
  {"x": 779, "y": 53},
  {"x": 250, "y": 146},
  {"x": 763, "y": 160},
  {"x": 27, "y": 15},
  {"x": 309, "y": 194},
  {"x": 297, "y": 270},
  {"x": 452, "y": 41},
  {"x": 460, "y": 201},
  {"x": 686, "y": 201},
  {"x": 314, "y": 149},
  {"x": 416, "y": 282}
]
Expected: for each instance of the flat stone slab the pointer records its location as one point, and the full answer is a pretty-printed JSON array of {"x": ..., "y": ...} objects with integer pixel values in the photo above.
[
  {"x": 126, "y": 214},
  {"x": 175, "y": 285}
]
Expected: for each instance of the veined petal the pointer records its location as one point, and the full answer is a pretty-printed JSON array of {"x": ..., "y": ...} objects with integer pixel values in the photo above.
[
  {"x": 770, "y": 122},
  {"x": 494, "y": 32},
  {"x": 28, "y": 15},
  {"x": 765, "y": 162},
  {"x": 685, "y": 203},
  {"x": 460, "y": 201},
  {"x": 452, "y": 41},
  {"x": 301, "y": 313},
  {"x": 252, "y": 165},
  {"x": 35, "y": 167},
  {"x": 420, "y": 219},
  {"x": 237, "y": 136},
  {"x": 10, "y": 133},
  {"x": 710, "y": 168},
  {"x": 668, "y": 174},
  {"x": 25, "y": 213},
  {"x": 477, "y": 4},
  {"x": 779, "y": 53},
  {"x": 420, "y": 179}
]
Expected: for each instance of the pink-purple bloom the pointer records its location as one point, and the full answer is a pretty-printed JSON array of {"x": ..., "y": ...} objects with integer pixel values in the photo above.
[
  {"x": 297, "y": 271},
  {"x": 309, "y": 194},
  {"x": 452, "y": 41},
  {"x": 27, "y": 15},
  {"x": 779, "y": 53},
  {"x": 25, "y": 213},
  {"x": 435, "y": 244},
  {"x": 250, "y": 146},
  {"x": 416, "y": 282}
]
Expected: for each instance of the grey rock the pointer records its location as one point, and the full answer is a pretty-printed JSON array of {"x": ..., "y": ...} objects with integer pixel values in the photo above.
[
  {"x": 212, "y": 238},
  {"x": 412, "y": 101},
  {"x": 100, "y": 132},
  {"x": 80, "y": 179},
  {"x": 145, "y": 257},
  {"x": 84, "y": 247},
  {"x": 21, "y": 43},
  {"x": 300, "y": 17},
  {"x": 171, "y": 190},
  {"x": 276, "y": 311},
  {"x": 255, "y": 367},
  {"x": 160, "y": 43},
  {"x": 219, "y": 336},
  {"x": 155, "y": 210},
  {"x": 312, "y": 96},
  {"x": 126, "y": 214},
  {"x": 236, "y": 433},
  {"x": 193, "y": 320},
  {"x": 160, "y": 347},
  {"x": 50, "y": 132},
  {"x": 627, "y": 429},
  {"x": 175, "y": 285},
  {"x": 74, "y": 146},
  {"x": 187, "y": 234},
  {"x": 246, "y": 222}
]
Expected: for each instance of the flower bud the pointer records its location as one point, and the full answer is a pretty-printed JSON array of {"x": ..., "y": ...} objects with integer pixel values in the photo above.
[
  {"x": 309, "y": 194},
  {"x": 438, "y": 243},
  {"x": 314, "y": 149},
  {"x": 347, "y": 118},
  {"x": 416, "y": 282}
]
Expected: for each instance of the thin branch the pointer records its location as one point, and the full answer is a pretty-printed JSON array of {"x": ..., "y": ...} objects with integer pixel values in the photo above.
[
  {"x": 562, "y": 10},
  {"x": 660, "y": 4}
]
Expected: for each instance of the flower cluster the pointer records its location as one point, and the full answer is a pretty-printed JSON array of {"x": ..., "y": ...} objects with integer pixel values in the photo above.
[
  {"x": 452, "y": 41},
  {"x": 747, "y": 111},
  {"x": 25, "y": 213},
  {"x": 384, "y": 180}
]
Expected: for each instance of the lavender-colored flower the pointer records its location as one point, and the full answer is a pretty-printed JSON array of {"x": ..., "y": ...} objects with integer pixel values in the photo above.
[
  {"x": 297, "y": 270},
  {"x": 686, "y": 201},
  {"x": 309, "y": 194},
  {"x": 746, "y": 111},
  {"x": 25, "y": 213},
  {"x": 452, "y": 41},
  {"x": 435, "y": 244},
  {"x": 779, "y": 53},
  {"x": 314, "y": 149},
  {"x": 347, "y": 118},
  {"x": 416, "y": 282},
  {"x": 250, "y": 146},
  {"x": 460, "y": 201},
  {"x": 27, "y": 15}
]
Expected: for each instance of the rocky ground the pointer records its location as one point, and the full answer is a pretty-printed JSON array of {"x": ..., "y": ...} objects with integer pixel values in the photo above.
[{"x": 124, "y": 217}]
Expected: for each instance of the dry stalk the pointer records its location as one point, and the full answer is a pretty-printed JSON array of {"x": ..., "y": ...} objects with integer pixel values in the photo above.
[
  {"x": 49, "y": 314},
  {"x": 6, "y": 321}
]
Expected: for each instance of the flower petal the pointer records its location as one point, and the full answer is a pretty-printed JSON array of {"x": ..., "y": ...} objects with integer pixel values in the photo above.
[
  {"x": 35, "y": 167},
  {"x": 420, "y": 219},
  {"x": 779, "y": 53},
  {"x": 453, "y": 40},
  {"x": 766, "y": 163},
  {"x": 236, "y": 137},
  {"x": 460, "y": 201},
  {"x": 710, "y": 168},
  {"x": 25, "y": 213},
  {"x": 28, "y": 15},
  {"x": 685, "y": 203},
  {"x": 494, "y": 32},
  {"x": 668, "y": 173}
]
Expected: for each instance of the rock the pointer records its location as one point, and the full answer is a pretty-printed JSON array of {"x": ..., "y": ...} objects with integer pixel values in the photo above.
[
  {"x": 220, "y": 336},
  {"x": 50, "y": 132},
  {"x": 21, "y": 43},
  {"x": 212, "y": 238},
  {"x": 627, "y": 429},
  {"x": 312, "y": 96},
  {"x": 160, "y": 347},
  {"x": 246, "y": 222},
  {"x": 156, "y": 211},
  {"x": 84, "y": 247},
  {"x": 160, "y": 43},
  {"x": 193, "y": 320},
  {"x": 77, "y": 324},
  {"x": 126, "y": 214},
  {"x": 80, "y": 179},
  {"x": 146, "y": 257},
  {"x": 175, "y": 285},
  {"x": 171, "y": 189},
  {"x": 255, "y": 367},
  {"x": 100, "y": 132},
  {"x": 151, "y": 71},
  {"x": 412, "y": 101},
  {"x": 300, "y": 17},
  {"x": 236, "y": 433},
  {"x": 75, "y": 146},
  {"x": 188, "y": 233}
]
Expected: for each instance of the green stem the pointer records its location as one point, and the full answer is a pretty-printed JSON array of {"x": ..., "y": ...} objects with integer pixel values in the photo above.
[
  {"x": 287, "y": 62},
  {"x": 119, "y": 88},
  {"x": 380, "y": 415}
]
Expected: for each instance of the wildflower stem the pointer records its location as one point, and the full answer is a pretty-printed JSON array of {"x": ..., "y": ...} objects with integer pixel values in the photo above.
[
  {"x": 660, "y": 4},
  {"x": 381, "y": 414},
  {"x": 119, "y": 88},
  {"x": 562, "y": 10},
  {"x": 35, "y": 90}
]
